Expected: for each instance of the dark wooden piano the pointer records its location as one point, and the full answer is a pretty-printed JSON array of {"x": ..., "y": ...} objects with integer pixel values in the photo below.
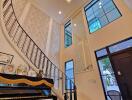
[{"x": 18, "y": 87}]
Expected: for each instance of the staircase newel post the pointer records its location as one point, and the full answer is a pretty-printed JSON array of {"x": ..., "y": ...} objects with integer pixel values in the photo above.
[
  {"x": 71, "y": 89},
  {"x": 75, "y": 93},
  {"x": 65, "y": 96}
]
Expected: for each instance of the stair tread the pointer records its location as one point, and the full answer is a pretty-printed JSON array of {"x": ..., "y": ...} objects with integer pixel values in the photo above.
[{"x": 28, "y": 97}]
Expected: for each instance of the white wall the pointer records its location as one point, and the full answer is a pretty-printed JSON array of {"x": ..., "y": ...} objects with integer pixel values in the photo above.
[
  {"x": 40, "y": 27},
  {"x": 89, "y": 86},
  {"x": 5, "y": 47}
]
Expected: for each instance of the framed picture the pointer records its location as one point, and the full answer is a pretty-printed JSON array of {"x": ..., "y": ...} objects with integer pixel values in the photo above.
[
  {"x": 5, "y": 58},
  {"x": 2, "y": 66},
  {"x": 9, "y": 69},
  {"x": 31, "y": 72},
  {"x": 22, "y": 70}
]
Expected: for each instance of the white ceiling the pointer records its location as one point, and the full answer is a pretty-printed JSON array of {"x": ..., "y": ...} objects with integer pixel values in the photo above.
[{"x": 52, "y": 7}]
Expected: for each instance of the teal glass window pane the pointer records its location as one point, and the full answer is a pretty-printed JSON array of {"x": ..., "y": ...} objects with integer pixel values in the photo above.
[
  {"x": 69, "y": 65},
  {"x": 99, "y": 13},
  {"x": 89, "y": 5},
  {"x": 94, "y": 25},
  {"x": 121, "y": 46},
  {"x": 68, "y": 40},
  {"x": 103, "y": 21},
  {"x": 104, "y": 2},
  {"x": 109, "y": 7},
  {"x": 70, "y": 84},
  {"x": 114, "y": 14},
  {"x": 101, "y": 53},
  {"x": 96, "y": 6},
  {"x": 70, "y": 73},
  {"x": 69, "y": 70},
  {"x": 68, "y": 34},
  {"x": 90, "y": 14}
]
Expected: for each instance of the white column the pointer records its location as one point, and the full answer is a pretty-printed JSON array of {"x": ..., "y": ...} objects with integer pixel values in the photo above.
[
  {"x": 84, "y": 53},
  {"x": 49, "y": 37}
]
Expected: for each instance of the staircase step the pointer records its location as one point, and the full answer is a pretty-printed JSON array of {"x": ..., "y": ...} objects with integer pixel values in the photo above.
[{"x": 31, "y": 98}]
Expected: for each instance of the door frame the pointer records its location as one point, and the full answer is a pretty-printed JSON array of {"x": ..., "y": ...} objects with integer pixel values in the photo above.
[{"x": 109, "y": 54}]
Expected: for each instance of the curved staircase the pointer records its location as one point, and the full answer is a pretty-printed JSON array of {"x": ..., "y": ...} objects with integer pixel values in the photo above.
[{"x": 31, "y": 53}]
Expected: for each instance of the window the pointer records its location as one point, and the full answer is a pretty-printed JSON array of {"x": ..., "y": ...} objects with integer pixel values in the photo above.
[
  {"x": 107, "y": 75},
  {"x": 99, "y": 13},
  {"x": 101, "y": 53},
  {"x": 121, "y": 46},
  {"x": 69, "y": 70},
  {"x": 68, "y": 34}
]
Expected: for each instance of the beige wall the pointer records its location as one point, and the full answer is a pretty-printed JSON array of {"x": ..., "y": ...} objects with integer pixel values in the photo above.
[
  {"x": 84, "y": 45},
  {"x": 19, "y": 6},
  {"x": 36, "y": 25},
  {"x": 41, "y": 28},
  {"x": 45, "y": 32},
  {"x": 19, "y": 63},
  {"x": 54, "y": 46},
  {"x": 5, "y": 47}
]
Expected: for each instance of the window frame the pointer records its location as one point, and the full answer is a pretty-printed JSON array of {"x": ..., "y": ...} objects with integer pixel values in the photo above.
[
  {"x": 73, "y": 74},
  {"x": 86, "y": 8},
  {"x": 66, "y": 25}
]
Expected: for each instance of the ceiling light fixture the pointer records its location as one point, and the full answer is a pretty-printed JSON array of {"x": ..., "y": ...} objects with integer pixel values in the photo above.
[
  {"x": 75, "y": 25},
  {"x": 68, "y": 1},
  {"x": 60, "y": 12}
]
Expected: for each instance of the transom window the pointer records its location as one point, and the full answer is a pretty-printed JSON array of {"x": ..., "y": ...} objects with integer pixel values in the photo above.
[
  {"x": 68, "y": 34},
  {"x": 100, "y": 13}
]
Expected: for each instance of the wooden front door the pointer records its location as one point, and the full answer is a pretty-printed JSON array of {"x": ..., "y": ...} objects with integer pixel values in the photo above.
[{"x": 122, "y": 62}]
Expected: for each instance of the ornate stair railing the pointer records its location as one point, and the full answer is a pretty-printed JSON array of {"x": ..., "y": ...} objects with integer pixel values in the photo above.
[{"x": 34, "y": 54}]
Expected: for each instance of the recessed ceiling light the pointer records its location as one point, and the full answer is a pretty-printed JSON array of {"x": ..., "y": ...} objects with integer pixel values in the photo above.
[
  {"x": 68, "y": 1},
  {"x": 60, "y": 12},
  {"x": 75, "y": 25}
]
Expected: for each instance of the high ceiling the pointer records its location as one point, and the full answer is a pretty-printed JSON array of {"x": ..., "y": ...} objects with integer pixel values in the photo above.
[{"x": 52, "y": 7}]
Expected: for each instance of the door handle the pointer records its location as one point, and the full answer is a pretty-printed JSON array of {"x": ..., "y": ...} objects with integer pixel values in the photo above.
[{"x": 119, "y": 73}]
